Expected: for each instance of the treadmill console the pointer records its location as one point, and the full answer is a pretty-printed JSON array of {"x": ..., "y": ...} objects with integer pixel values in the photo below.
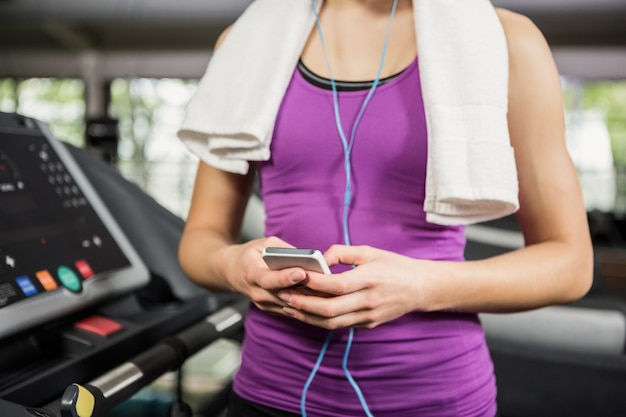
[{"x": 60, "y": 249}]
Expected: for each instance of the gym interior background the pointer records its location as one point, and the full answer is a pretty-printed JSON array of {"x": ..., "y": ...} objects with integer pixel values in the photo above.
[
  {"x": 133, "y": 64},
  {"x": 114, "y": 77}
]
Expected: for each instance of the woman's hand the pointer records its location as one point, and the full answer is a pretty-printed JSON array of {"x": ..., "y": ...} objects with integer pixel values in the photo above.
[
  {"x": 247, "y": 273},
  {"x": 383, "y": 286}
]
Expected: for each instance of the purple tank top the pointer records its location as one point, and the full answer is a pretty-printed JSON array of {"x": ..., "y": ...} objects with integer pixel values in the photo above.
[{"x": 422, "y": 364}]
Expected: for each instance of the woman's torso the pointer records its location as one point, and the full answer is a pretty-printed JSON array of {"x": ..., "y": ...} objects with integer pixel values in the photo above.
[{"x": 427, "y": 364}]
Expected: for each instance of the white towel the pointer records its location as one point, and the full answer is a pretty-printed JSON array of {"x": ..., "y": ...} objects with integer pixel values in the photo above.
[{"x": 471, "y": 174}]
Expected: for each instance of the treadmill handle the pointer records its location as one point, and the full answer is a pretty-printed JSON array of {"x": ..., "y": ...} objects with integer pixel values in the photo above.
[{"x": 99, "y": 396}]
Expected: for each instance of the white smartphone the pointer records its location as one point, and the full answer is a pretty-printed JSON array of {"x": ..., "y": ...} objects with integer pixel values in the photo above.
[{"x": 308, "y": 259}]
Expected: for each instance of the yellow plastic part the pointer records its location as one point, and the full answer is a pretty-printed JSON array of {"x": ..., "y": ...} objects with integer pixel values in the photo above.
[{"x": 85, "y": 402}]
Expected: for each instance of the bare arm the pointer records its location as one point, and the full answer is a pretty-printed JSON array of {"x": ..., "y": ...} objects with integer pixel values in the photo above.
[
  {"x": 209, "y": 251},
  {"x": 556, "y": 264},
  {"x": 214, "y": 222}
]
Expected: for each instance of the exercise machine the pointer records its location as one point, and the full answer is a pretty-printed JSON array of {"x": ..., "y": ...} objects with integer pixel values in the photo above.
[{"x": 93, "y": 304}]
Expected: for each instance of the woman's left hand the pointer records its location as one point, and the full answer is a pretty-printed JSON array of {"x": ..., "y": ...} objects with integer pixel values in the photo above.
[{"x": 383, "y": 286}]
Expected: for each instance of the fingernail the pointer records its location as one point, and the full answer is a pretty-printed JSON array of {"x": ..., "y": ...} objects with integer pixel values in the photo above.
[
  {"x": 297, "y": 277},
  {"x": 285, "y": 296},
  {"x": 289, "y": 311}
]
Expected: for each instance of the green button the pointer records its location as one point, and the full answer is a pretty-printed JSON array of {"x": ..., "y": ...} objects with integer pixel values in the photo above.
[{"x": 69, "y": 279}]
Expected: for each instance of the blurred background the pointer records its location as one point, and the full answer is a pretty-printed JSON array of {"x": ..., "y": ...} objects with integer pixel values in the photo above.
[{"x": 114, "y": 76}]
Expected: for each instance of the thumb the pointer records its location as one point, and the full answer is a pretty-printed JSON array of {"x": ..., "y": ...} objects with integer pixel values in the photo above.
[{"x": 346, "y": 255}]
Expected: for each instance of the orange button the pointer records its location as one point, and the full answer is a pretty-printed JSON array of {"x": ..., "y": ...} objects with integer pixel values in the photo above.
[
  {"x": 99, "y": 325},
  {"x": 46, "y": 280}
]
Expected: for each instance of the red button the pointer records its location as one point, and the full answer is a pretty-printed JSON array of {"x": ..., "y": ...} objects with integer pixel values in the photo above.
[
  {"x": 84, "y": 268},
  {"x": 99, "y": 325}
]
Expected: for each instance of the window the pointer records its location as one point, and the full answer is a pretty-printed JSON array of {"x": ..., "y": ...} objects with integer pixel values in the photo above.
[
  {"x": 596, "y": 137},
  {"x": 57, "y": 102},
  {"x": 150, "y": 112}
]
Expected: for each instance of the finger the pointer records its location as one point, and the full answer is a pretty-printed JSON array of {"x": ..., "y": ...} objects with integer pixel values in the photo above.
[
  {"x": 310, "y": 292},
  {"x": 269, "y": 307},
  {"x": 326, "y": 307},
  {"x": 353, "y": 319},
  {"x": 271, "y": 280},
  {"x": 346, "y": 255},
  {"x": 267, "y": 301},
  {"x": 335, "y": 284}
]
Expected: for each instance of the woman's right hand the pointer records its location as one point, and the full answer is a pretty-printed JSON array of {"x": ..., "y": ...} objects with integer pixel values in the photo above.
[
  {"x": 207, "y": 253},
  {"x": 247, "y": 273}
]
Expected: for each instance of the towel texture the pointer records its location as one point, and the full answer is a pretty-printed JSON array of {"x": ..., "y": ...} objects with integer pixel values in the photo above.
[{"x": 471, "y": 174}]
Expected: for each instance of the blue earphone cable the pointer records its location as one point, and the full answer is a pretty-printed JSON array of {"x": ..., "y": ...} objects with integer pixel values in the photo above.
[
  {"x": 347, "y": 145},
  {"x": 347, "y": 149},
  {"x": 320, "y": 357}
]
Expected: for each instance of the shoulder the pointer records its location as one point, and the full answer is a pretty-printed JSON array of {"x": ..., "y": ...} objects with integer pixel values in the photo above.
[
  {"x": 530, "y": 58},
  {"x": 263, "y": 16},
  {"x": 524, "y": 38},
  {"x": 222, "y": 36},
  {"x": 512, "y": 19}
]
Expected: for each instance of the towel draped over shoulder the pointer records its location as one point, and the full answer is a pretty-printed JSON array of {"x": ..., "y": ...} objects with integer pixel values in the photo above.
[{"x": 471, "y": 175}]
